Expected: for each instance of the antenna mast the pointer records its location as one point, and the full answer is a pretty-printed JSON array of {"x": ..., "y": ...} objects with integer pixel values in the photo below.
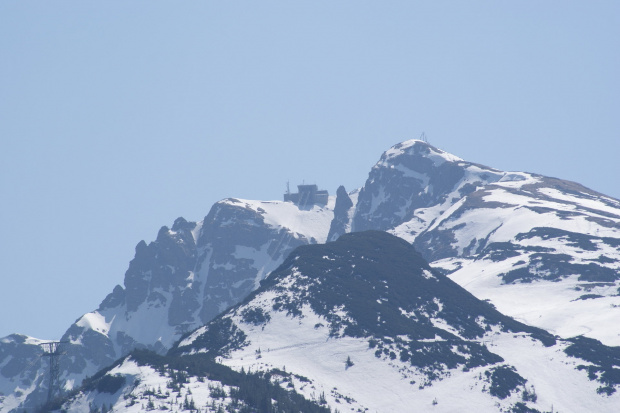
[{"x": 52, "y": 350}]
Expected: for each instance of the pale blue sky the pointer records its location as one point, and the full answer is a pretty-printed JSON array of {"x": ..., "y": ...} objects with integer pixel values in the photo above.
[{"x": 117, "y": 117}]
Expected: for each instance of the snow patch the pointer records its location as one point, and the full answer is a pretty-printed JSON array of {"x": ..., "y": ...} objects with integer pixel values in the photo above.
[{"x": 96, "y": 322}]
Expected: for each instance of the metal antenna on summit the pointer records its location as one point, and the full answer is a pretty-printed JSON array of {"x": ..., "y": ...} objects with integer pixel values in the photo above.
[
  {"x": 423, "y": 137},
  {"x": 52, "y": 350}
]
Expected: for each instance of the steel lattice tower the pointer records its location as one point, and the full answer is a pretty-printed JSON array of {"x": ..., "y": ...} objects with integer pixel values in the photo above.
[{"x": 52, "y": 350}]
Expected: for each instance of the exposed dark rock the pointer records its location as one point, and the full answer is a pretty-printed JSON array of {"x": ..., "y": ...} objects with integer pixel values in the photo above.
[
  {"x": 397, "y": 186},
  {"x": 341, "y": 214}
]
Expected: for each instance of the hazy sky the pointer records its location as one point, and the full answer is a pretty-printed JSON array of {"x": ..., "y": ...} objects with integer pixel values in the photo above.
[{"x": 117, "y": 117}]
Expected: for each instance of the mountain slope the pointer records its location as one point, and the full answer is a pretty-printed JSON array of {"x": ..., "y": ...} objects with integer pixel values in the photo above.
[
  {"x": 367, "y": 324},
  {"x": 544, "y": 250},
  {"x": 146, "y": 381},
  {"x": 187, "y": 276}
]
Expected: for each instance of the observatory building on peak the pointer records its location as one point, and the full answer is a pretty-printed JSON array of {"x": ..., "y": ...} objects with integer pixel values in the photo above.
[{"x": 307, "y": 195}]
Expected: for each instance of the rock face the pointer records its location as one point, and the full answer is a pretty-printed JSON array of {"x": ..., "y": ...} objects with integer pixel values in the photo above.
[
  {"x": 188, "y": 275},
  {"x": 365, "y": 324},
  {"x": 410, "y": 176},
  {"x": 498, "y": 232},
  {"x": 342, "y": 215},
  {"x": 540, "y": 249},
  {"x": 21, "y": 369}
]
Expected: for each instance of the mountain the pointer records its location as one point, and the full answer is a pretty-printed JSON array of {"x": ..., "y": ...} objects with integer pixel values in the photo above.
[
  {"x": 178, "y": 282},
  {"x": 542, "y": 250},
  {"x": 365, "y": 324}
]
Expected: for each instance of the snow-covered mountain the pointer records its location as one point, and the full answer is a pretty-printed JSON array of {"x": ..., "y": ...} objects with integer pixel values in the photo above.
[
  {"x": 365, "y": 324},
  {"x": 178, "y": 282},
  {"x": 540, "y": 249}
]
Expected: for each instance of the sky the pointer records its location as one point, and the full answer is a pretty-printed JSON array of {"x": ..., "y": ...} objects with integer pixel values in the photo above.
[{"x": 118, "y": 117}]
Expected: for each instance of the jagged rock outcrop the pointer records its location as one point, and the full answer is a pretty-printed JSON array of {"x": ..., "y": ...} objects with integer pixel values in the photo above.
[
  {"x": 188, "y": 275},
  {"x": 342, "y": 215}
]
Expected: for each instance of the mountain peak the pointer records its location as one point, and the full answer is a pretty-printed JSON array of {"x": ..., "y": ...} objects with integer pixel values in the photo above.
[
  {"x": 371, "y": 284},
  {"x": 419, "y": 148},
  {"x": 409, "y": 176}
]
